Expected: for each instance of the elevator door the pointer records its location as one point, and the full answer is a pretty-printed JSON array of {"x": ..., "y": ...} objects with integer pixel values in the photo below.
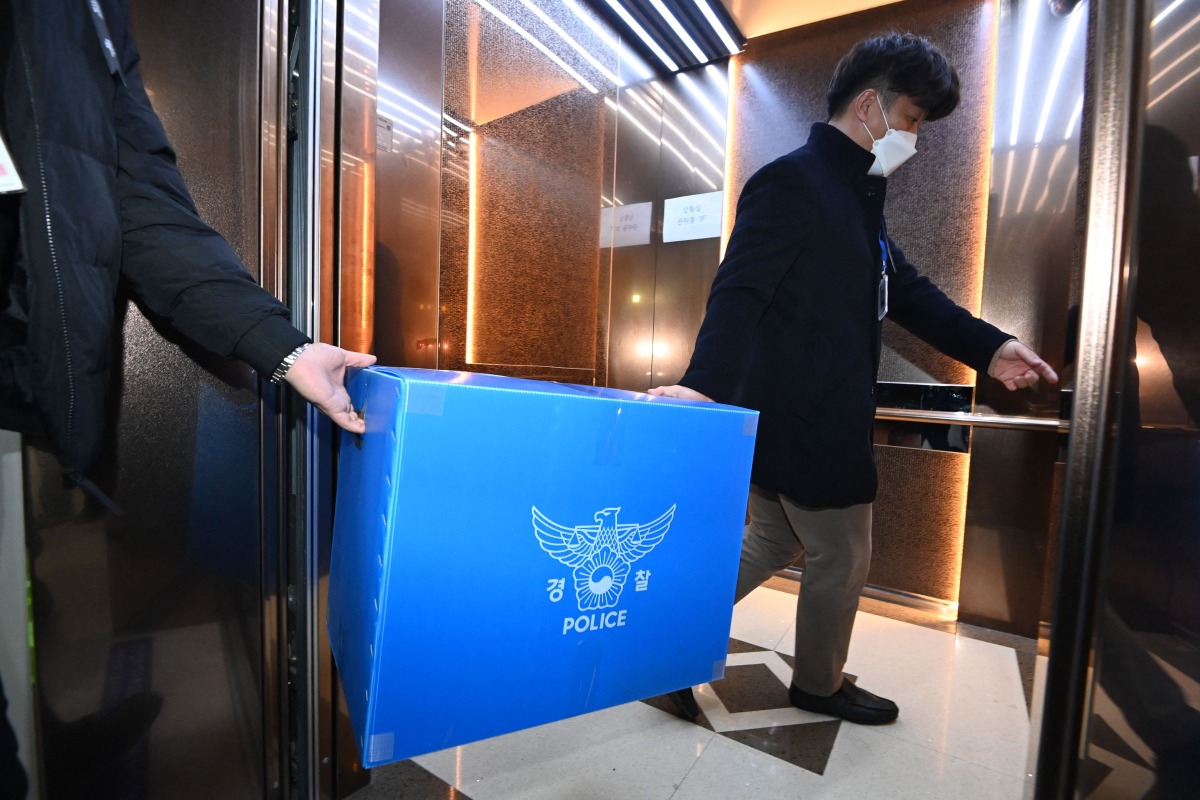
[
  {"x": 1122, "y": 716},
  {"x": 151, "y": 659}
]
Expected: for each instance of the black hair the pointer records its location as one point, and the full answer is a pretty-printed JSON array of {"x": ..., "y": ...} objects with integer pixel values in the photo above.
[{"x": 896, "y": 64}]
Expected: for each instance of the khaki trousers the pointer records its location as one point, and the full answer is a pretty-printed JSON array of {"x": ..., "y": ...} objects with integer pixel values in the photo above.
[{"x": 836, "y": 543}]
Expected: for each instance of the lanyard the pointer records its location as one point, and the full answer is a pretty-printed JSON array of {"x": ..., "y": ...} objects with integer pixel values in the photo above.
[
  {"x": 885, "y": 249},
  {"x": 106, "y": 42},
  {"x": 885, "y": 258}
]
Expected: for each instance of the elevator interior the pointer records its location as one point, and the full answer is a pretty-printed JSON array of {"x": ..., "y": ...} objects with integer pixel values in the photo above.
[{"x": 451, "y": 195}]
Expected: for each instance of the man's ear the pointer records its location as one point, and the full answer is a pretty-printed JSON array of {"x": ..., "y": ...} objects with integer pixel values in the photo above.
[{"x": 861, "y": 105}]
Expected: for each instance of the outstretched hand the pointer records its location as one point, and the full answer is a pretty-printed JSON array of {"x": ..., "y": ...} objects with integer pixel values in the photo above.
[
  {"x": 1019, "y": 367},
  {"x": 681, "y": 392},
  {"x": 319, "y": 376}
]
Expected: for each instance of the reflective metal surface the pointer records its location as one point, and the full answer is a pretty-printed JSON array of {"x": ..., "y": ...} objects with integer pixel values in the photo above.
[
  {"x": 558, "y": 155},
  {"x": 356, "y": 137},
  {"x": 273, "y": 85},
  {"x": 533, "y": 166},
  {"x": 691, "y": 164},
  {"x": 1116, "y": 58},
  {"x": 1135, "y": 618},
  {"x": 634, "y": 116},
  {"x": 529, "y": 151},
  {"x": 1031, "y": 235},
  {"x": 149, "y": 628},
  {"x": 408, "y": 159},
  {"x": 1026, "y": 290},
  {"x": 315, "y": 263}
]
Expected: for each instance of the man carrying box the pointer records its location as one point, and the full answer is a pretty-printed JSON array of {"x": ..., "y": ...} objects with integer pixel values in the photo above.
[{"x": 793, "y": 330}]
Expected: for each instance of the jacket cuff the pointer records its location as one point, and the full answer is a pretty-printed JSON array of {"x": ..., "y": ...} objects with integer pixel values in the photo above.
[
  {"x": 265, "y": 345},
  {"x": 996, "y": 355}
]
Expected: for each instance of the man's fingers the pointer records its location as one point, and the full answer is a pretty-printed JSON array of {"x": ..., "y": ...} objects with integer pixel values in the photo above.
[
  {"x": 1046, "y": 371},
  {"x": 354, "y": 359},
  {"x": 348, "y": 420}
]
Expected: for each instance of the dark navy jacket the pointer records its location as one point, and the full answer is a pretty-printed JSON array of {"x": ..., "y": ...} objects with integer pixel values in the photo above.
[
  {"x": 792, "y": 325},
  {"x": 105, "y": 204}
]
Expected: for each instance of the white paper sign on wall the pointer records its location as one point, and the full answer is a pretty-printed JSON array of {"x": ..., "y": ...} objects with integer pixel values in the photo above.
[
  {"x": 625, "y": 226},
  {"x": 696, "y": 216}
]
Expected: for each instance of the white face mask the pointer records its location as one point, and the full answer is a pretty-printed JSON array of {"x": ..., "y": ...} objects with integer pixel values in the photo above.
[{"x": 892, "y": 150}]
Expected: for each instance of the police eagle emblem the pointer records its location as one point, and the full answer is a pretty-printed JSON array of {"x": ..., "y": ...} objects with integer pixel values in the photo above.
[{"x": 600, "y": 554}]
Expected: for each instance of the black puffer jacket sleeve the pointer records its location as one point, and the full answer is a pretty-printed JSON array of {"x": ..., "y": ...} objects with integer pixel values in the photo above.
[{"x": 175, "y": 264}]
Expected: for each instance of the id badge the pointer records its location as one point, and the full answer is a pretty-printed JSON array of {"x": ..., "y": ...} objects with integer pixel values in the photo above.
[
  {"x": 10, "y": 179},
  {"x": 883, "y": 296}
]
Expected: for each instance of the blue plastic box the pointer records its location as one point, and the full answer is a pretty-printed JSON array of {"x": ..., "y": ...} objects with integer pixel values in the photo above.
[{"x": 511, "y": 552}]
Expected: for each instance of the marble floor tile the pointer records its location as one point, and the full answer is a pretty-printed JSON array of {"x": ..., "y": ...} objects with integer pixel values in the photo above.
[
  {"x": 765, "y": 617},
  {"x": 963, "y": 729},
  {"x": 864, "y": 763},
  {"x": 631, "y": 751},
  {"x": 958, "y": 696}
]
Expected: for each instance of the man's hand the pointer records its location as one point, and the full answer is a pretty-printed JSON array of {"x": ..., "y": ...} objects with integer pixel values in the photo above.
[
  {"x": 319, "y": 375},
  {"x": 1018, "y": 367},
  {"x": 681, "y": 392}
]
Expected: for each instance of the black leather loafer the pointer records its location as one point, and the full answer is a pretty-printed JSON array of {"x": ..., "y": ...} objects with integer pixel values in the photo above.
[
  {"x": 850, "y": 703},
  {"x": 685, "y": 701}
]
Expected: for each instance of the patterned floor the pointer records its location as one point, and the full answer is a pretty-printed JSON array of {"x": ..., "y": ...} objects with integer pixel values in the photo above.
[{"x": 963, "y": 729}]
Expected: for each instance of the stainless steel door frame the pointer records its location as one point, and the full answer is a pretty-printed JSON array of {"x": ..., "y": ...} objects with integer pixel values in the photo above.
[
  {"x": 1112, "y": 113},
  {"x": 329, "y": 267},
  {"x": 309, "y": 62},
  {"x": 272, "y": 191}
]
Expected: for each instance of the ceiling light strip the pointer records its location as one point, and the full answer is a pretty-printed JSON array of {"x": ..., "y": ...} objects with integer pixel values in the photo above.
[
  {"x": 682, "y": 33},
  {"x": 648, "y": 40},
  {"x": 605, "y": 36},
  {"x": 717, "y": 26}
]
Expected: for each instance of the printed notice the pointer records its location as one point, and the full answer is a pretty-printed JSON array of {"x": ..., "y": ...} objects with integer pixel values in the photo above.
[
  {"x": 10, "y": 181},
  {"x": 696, "y": 216},
  {"x": 625, "y": 226},
  {"x": 383, "y": 134}
]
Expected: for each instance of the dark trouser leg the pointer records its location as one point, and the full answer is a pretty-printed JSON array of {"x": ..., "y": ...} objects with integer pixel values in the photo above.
[
  {"x": 837, "y": 545},
  {"x": 768, "y": 543}
]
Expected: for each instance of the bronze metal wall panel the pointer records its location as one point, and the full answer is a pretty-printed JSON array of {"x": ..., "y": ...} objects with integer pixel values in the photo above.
[
  {"x": 1032, "y": 239},
  {"x": 631, "y": 313},
  {"x": 454, "y": 248},
  {"x": 522, "y": 181},
  {"x": 692, "y": 162},
  {"x": 1005, "y": 542},
  {"x": 530, "y": 284},
  {"x": 408, "y": 161},
  {"x": 606, "y": 297},
  {"x": 165, "y": 601},
  {"x": 937, "y": 204},
  {"x": 537, "y": 229},
  {"x": 356, "y": 179},
  {"x": 272, "y": 275},
  {"x": 917, "y": 539}
]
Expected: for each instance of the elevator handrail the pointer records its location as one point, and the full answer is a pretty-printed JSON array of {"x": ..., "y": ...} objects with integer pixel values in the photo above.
[{"x": 974, "y": 420}]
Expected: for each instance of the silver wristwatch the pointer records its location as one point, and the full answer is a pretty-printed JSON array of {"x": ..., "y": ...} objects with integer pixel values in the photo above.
[{"x": 288, "y": 360}]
